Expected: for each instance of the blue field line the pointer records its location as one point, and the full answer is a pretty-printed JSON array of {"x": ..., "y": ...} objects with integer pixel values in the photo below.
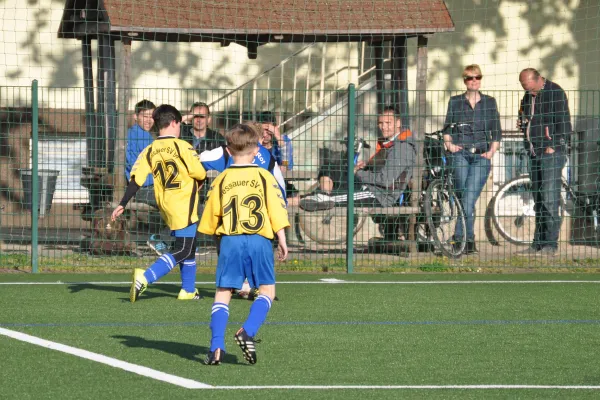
[
  {"x": 303, "y": 323},
  {"x": 324, "y": 281}
]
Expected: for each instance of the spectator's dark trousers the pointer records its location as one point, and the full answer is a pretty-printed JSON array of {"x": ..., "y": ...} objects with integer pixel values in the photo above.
[{"x": 546, "y": 172}]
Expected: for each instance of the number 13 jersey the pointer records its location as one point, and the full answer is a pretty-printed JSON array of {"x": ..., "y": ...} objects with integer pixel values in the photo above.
[
  {"x": 177, "y": 172},
  {"x": 244, "y": 199}
]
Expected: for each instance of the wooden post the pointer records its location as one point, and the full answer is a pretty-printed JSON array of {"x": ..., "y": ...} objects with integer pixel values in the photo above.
[
  {"x": 121, "y": 135},
  {"x": 418, "y": 133},
  {"x": 379, "y": 76},
  {"x": 90, "y": 105},
  {"x": 400, "y": 78}
]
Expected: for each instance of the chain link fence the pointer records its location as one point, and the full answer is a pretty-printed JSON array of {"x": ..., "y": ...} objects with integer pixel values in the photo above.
[{"x": 62, "y": 173}]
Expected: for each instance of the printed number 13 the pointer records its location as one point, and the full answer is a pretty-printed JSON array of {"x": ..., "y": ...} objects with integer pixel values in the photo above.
[{"x": 256, "y": 220}]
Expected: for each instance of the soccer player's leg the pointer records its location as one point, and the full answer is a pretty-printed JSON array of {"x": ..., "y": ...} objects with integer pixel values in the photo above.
[
  {"x": 184, "y": 254},
  {"x": 188, "y": 277},
  {"x": 218, "y": 324},
  {"x": 260, "y": 273},
  {"x": 139, "y": 284},
  {"x": 230, "y": 275},
  {"x": 141, "y": 279},
  {"x": 188, "y": 280}
]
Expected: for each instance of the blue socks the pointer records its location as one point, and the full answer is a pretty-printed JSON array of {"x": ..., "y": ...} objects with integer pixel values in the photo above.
[
  {"x": 160, "y": 268},
  {"x": 258, "y": 313},
  {"x": 218, "y": 324},
  {"x": 220, "y": 314},
  {"x": 188, "y": 274}
]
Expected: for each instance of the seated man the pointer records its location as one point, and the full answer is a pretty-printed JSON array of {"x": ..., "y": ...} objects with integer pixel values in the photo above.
[
  {"x": 378, "y": 183},
  {"x": 198, "y": 134},
  {"x": 202, "y": 138}
]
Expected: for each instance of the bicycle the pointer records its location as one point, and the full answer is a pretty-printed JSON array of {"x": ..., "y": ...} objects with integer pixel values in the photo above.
[
  {"x": 443, "y": 210},
  {"x": 514, "y": 214}
]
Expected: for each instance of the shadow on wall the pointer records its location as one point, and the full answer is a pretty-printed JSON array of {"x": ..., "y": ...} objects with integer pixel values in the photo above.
[{"x": 577, "y": 56}]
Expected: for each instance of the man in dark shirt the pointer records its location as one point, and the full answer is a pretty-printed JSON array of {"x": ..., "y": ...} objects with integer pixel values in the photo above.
[
  {"x": 198, "y": 134},
  {"x": 202, "y": 138},
  {"x": 546, "y": 123}
]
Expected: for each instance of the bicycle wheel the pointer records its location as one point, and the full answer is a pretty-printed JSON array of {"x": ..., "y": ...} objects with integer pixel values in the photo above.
[
  {"x": 514, "y": 214},
  {"x": 329, "y": 226},
  {"x": 444, "y": 213}
]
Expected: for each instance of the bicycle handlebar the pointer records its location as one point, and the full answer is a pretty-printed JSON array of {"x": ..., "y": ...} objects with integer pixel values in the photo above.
[{"x": 452, "y": 125}]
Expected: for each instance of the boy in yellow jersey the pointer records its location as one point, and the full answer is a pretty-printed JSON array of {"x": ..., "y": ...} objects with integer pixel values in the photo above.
[
  {"x": 244, "y": 208},
  {"x": 178, "y": 174}
]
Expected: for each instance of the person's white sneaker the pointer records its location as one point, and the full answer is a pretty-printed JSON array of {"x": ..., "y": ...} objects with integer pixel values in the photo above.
[{"x": 317, "y": 201}]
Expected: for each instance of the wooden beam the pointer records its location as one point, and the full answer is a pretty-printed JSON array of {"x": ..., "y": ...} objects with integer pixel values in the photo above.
[
  {"x": 121, "y": 136},
  {"x": 400, "y": 78},
  {"x": 90, "y": 105},
  {"x": 379, "y": 76},
  {"x": 418, "y": 133}
]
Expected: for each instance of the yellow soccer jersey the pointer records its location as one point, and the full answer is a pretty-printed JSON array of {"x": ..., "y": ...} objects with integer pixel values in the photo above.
[
  {"x": 177, "y": 174},
  {"x": 244, "y": 199}
]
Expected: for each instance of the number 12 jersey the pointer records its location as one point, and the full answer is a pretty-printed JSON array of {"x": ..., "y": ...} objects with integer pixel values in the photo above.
[{"x": 177, "y": 174}]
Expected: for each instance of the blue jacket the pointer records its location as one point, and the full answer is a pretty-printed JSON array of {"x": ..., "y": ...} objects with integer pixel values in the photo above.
[
  {"x": 137, "y": 140},
  {"x": 219, "y": 159}
]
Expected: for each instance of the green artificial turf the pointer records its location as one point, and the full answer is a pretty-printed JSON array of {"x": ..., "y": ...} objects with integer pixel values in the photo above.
[{"x": 433, "y": 333}]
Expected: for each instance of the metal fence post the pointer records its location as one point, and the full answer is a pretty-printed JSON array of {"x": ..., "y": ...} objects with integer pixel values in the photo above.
[
  {"x": 350, "y": 166},
  {"x": 35, "y": 184}
]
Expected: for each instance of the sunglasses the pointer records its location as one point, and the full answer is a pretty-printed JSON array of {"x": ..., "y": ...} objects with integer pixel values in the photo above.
[
  {"x": 471, "y": 78},
  {"x": 200, "y": 116}
]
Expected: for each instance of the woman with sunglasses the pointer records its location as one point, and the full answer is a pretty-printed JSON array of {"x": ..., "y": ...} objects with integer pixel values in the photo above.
[{"x": 472, "y": 146}]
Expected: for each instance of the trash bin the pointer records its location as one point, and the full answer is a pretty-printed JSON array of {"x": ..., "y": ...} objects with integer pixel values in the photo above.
[{"x": 47, "y": 186}]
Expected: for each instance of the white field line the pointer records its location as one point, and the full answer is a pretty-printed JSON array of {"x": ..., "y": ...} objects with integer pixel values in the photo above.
[
  {"x": 191, "y": 384},
  {"x": 399, "y": 387},
  {"x": 113, "y": 362},
  {"x": 337, "y": 282}
]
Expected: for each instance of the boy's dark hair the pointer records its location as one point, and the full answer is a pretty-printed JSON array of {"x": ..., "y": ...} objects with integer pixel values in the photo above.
[
  {"x": 241, "y": 139},
  {"x": 200, "y": 104},
  {"x": 144, "y": 105},
  {"x": 164, "y": 114},
  {"x": 266, "y": 117}
]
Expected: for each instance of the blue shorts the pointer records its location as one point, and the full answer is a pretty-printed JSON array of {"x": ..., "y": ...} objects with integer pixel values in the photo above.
[
  {"x": 187, "y": 232},
  {"x": 245, "y": 257}
]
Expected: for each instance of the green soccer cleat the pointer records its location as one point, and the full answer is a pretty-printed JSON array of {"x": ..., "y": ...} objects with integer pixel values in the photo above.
[
  {"x": 246, "y": 343},
  {"x": 214, "y": 357},
  {"x": 139, "y": 284},
  {"x": 183, "y": 295}
]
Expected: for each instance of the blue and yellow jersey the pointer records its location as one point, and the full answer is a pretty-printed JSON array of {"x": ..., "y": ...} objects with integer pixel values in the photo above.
[
  {"x": 244, "y": 199},
  {"x": 177, "y": 174}
]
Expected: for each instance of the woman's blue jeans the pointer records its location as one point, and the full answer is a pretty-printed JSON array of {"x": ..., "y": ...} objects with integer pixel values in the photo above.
[{"x": 470, "y": 174}]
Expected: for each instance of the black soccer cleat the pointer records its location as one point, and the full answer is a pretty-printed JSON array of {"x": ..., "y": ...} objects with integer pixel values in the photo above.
[
  {"x": 214, "y": 357},
  {"x": 246, "y": 343},
  {"x": 254, "y": 293}
]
